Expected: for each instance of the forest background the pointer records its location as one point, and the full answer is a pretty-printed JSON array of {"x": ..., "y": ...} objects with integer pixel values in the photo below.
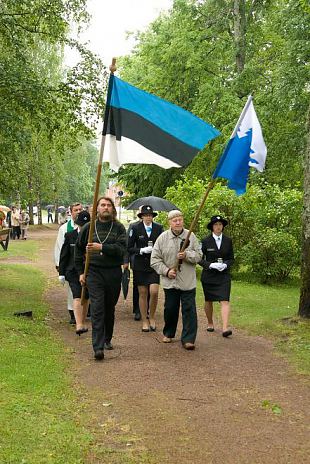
[{"x": 204, "y": 55}]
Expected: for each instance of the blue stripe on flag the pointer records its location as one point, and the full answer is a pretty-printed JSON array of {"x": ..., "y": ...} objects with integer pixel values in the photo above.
[{"x": 172, "y": 119}]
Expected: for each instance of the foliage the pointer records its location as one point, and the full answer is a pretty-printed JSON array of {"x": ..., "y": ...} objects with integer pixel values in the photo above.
[
  {"x": 47, "y": 111},
  {"x": 188, "y": 57},
  {"x": 265, "y": 223}
]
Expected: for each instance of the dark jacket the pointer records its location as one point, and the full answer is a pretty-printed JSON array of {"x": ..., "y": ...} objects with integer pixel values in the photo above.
[
  {"x": 138, "y": 239},
  {"x": 113, "y": 248},
  {"x": 66, "y": 259},
  {"x": 211, "y": 254}
]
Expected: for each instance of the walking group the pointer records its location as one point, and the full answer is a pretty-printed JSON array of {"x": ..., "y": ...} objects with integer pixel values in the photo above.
[
  {"x": 17, "y": 220},
  {"x": 156, "y": 256}
]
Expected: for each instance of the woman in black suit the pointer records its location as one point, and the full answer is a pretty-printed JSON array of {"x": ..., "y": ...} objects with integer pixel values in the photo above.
[
  {"x": 218, "y": 257},
  {"x": 141, "y": 239}
]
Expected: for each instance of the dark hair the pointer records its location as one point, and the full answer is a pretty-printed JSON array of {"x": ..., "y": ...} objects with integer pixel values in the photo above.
[
  {"x": 112, "y": 203},
  {"x": 75, "y": 204}
]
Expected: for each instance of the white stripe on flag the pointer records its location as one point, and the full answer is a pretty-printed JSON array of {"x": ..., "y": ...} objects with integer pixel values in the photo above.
[{"x": 127, "y": 151}]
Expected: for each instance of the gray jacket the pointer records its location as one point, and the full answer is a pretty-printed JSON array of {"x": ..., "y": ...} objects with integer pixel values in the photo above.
[{"x": 164, "y": 257}]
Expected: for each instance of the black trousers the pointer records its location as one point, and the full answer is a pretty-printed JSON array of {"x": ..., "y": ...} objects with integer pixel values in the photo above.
[
  {"x": 104, "y": 286},
  {"x": 173, "y": 299}
]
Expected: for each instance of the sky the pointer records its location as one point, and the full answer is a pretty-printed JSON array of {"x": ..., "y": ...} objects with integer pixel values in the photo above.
[{"x": 111, "y": 20}]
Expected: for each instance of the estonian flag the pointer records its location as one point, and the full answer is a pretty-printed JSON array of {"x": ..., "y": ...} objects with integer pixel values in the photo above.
[
  {"x": 246, "y": 148},
  {"x": 144, "y": 129}
]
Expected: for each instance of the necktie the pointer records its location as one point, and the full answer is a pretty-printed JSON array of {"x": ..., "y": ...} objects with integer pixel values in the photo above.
[{"x": 148, "y": 230}]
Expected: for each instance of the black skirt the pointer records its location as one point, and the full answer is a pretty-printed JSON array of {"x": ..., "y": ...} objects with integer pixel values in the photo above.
[
  {"x": 217, "y": 291},
  {"x": 74, "y": 283},
  {"x": 145, "y": 278}
]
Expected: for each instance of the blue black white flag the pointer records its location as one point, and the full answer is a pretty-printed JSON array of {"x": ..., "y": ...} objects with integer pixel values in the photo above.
[
  {"x": 144, "y": 129},
  {"x": 246, "y": 148}
]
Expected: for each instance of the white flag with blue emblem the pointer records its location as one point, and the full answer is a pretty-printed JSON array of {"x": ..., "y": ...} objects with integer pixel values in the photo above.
[{"x": 246, "y": 148}]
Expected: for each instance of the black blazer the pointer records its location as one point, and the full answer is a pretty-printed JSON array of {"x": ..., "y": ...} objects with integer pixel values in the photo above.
[
  {"x": 211, "y": 254},
  {"x": 66, "y": 260},
  {"x": 137, "y": 239}
]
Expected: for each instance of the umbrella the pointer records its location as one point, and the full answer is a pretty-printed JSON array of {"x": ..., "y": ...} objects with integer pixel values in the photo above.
[
  {"x": 157, "y": 203},
  {"x": 61, "y": 209},
  {"x": 125, "y": 282},
  {"x": 50, "y": 206},
  {"x": 4, "y": 208}
]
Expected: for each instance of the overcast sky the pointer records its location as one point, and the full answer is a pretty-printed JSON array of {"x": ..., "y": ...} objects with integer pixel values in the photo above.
[{"x": 110, "y": 21}]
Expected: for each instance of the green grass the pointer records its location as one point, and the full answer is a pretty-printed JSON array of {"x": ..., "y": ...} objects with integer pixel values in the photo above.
[
  {"x": 38, "y": 419},
  {"x": 271, "y": 311},
  {"x": 25, "y": 248}
]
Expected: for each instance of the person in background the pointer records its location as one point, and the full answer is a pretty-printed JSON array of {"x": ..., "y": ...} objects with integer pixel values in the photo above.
[
  {"x": 106, "y": 249},
  {"x": 15, "y": 223},
  {"x": 218, "y": 257},
  {"x": 2, "y": 219},
  {"x": 178, "y": 281},
  {"x": 127, "y": 260},
  {"x": 75, "y": 208},
  {"x": 49, "y": 214},
  {"x": 141, "y": 239},
  {"x": 24, "y": 220},
  {"x": 68, "y": 272}
]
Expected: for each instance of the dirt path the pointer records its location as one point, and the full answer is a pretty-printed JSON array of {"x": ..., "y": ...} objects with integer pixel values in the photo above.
[{"x": 201, "y": 407}]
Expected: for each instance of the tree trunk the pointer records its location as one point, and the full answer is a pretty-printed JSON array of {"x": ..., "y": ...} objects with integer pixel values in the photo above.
[
  {"x": 39, "y": 211},
  {"x": 304, "y": 302},
  {"x": 239, "y": 33}
]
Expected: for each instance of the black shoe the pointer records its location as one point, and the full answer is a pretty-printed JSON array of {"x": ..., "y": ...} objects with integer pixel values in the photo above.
[
  {"x": 108, "y": 346},
  {"x": 137, "y": 317},
  {"x": 81, "y": 331},
  {"x": 99, "y": 355},
  {"x": 227, "y": 333}
]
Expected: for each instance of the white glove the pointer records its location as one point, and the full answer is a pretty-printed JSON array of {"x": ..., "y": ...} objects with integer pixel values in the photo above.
[
  {"x": 146, "y": 250},
  {"x": 222, "y": 267},
  {"x": 215, "y": 266},
  {"x": 62, "y": 279}
]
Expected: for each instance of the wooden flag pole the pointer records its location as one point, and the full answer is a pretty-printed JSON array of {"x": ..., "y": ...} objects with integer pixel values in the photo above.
[
  {"x": 96, "y": 194},
  {"x": 195, "y": 220}
]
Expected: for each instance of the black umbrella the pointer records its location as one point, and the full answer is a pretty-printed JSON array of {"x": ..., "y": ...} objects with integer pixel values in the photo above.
[
  {"x": 50, "y": 206},
  {"x": 125, "y": 282},
  {"x": 157, "y": 203}
]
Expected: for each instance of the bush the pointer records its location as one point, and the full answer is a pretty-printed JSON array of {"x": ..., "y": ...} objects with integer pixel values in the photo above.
[
  {"x": 263, "y": 211},
  {"x": 272, "y": 256}
]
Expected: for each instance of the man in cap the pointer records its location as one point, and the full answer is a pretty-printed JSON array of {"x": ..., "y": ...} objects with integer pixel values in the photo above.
[
  {"x": 141, "y": 239},
  {"x": 75, "y": 209},
  {"x": 179, "y": 282}
]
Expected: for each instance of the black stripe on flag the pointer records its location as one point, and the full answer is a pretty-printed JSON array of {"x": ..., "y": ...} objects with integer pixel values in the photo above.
[{"x": 128, "y": 124}]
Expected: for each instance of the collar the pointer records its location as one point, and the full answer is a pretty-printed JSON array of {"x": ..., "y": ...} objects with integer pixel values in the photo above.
[
  {"x": 181, "y": 235},
  {"x": 217, "y": 237}
]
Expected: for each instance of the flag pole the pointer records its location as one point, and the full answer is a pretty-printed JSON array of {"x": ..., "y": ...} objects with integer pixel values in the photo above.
[
  {"x": 97, "y": 185},
  {"x": 195, "y": 220}
]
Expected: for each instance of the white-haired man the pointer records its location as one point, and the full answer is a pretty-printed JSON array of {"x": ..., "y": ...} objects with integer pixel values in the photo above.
[{"x": 179, "y": 283}]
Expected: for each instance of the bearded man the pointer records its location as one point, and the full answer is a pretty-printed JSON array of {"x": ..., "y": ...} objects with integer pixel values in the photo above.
[{"x": 107, "y": 249}]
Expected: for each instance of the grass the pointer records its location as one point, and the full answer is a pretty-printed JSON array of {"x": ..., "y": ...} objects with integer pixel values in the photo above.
[
  {"x": 271, "y": 311},
  {"x": 37, "y": 419},
  {"x": 25, "y": 248},
  {"x": 44, "y": 417}
]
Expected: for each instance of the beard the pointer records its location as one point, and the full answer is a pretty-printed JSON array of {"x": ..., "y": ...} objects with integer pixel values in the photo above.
[{"x": 106, "y": 216}]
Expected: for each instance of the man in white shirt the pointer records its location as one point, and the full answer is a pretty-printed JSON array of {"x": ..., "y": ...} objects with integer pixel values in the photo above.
[{"x": 75, "y": 209}]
